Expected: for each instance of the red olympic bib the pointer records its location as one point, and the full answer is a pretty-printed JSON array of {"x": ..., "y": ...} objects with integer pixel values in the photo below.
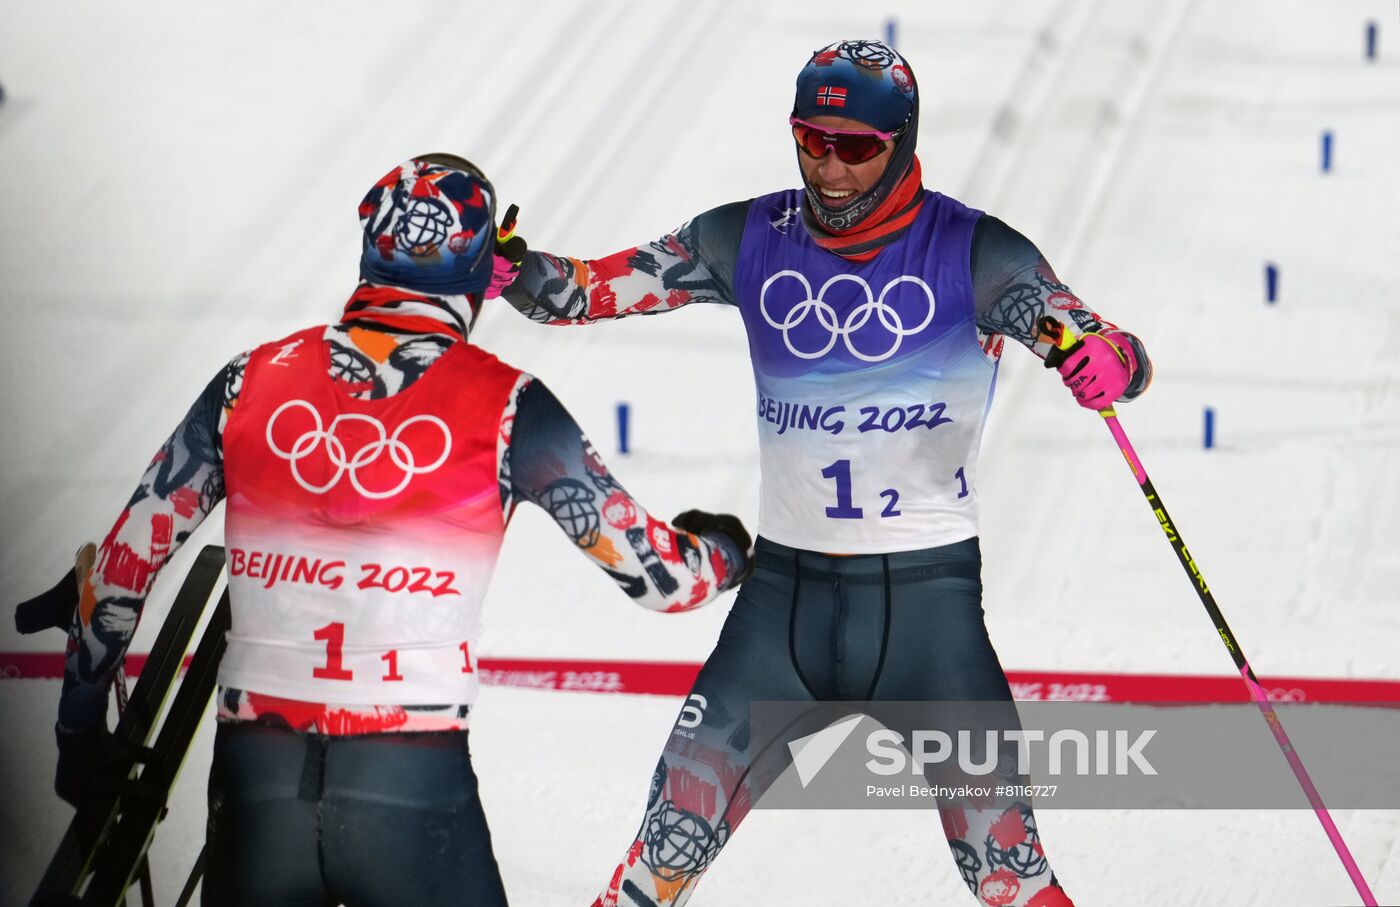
[{"x": 361, "y": 534}]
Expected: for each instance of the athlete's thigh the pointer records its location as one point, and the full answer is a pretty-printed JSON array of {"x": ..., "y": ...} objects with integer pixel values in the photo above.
[
  {"x": 752, "y": 659},
  {"x": 711, "y": 769},
  {"x": 938, "y": 645},
  {"x": 261, "y": 846},
  {"x": 752, "y": 662},
  {"x": 402, "y": 823},
  {"x": 942, "y": 670}
]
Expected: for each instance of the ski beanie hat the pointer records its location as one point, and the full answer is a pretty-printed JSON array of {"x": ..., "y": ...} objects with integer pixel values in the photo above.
[
  {"x": 870, "y": 82},
  {"x": 862, "y": 80},
  {"x": 430, "y": 226}
]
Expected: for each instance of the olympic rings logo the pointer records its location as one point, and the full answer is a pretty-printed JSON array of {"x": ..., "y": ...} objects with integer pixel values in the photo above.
[
  {"x": 887, "y": 315},
  {"x": 399, "y": 452}
]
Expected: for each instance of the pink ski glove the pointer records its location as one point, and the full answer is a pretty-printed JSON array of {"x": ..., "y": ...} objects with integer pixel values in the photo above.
[
  {"x": 503, "y": 274},
  {"x": 1097, "y": 370},
  {"x": 510, "y": 253}
]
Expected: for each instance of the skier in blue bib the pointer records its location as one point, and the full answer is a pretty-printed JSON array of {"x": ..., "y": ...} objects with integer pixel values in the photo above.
[{"x": 875, "y": 311}]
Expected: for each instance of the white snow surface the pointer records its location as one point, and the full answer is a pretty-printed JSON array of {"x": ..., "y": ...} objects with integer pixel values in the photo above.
[{"x": 178, "y": 183}]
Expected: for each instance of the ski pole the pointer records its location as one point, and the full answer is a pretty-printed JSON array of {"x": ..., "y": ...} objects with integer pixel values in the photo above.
[{"x": 1066, "y": 342}]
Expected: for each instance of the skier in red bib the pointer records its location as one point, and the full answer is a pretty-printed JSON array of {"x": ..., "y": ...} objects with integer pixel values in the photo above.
[{"x": 370, "y": 469}]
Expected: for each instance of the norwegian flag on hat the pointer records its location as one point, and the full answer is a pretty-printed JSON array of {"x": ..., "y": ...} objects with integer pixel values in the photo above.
[{"x": 831, "y": 96}]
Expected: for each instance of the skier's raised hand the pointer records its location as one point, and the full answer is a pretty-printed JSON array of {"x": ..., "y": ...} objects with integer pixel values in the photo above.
[
  {"x": 510, "y": 252},
  {"x": 1096, "y": 368}
]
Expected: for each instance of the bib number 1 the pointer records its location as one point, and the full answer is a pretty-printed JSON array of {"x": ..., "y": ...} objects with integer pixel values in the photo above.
[
  {"x": 841, "y": 472},
  {"x": 333, "y": 635}
]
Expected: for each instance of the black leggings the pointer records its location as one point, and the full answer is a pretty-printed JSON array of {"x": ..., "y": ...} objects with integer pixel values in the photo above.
[
  {"x": 382, "y": 819},
  {"x": 810, "y": 627}
]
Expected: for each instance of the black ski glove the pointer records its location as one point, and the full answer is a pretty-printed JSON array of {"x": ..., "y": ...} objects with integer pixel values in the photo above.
[
  {"x": 91, "y": 762},
  {"x": 55, "y": 608},
  {"x": 727, "y": 525}
]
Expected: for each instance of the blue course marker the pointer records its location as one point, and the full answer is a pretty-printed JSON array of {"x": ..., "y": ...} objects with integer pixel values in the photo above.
[
  {"x": 623, "y": 412},
  {"x": 1371, "y": 32},
  {"x": 1270, "y": 282},
  {"x": 1327, "y": 151},
  {"x": 890, "y": 30},
  {"x": 1210, "y": 428}
]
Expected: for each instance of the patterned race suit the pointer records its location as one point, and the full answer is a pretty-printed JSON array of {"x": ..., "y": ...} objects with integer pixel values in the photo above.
[
  {"x": 874, "y": 378},
  {"x": 370, "y": 473}
]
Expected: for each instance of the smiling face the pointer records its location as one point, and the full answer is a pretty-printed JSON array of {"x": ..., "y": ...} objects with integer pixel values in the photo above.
[{"x": 835, "y": 182}]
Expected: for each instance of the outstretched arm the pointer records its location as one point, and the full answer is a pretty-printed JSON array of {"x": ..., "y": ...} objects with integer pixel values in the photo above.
[
  {"x": 1015, "y": 287},
  {"x": 692, "y": 264},
  {"x": 183, "y": 483},
  {"x": 551, "y": 463}
]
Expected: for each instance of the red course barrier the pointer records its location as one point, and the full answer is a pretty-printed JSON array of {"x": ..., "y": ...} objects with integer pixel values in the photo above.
[{"x": 673, "y": 678}]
